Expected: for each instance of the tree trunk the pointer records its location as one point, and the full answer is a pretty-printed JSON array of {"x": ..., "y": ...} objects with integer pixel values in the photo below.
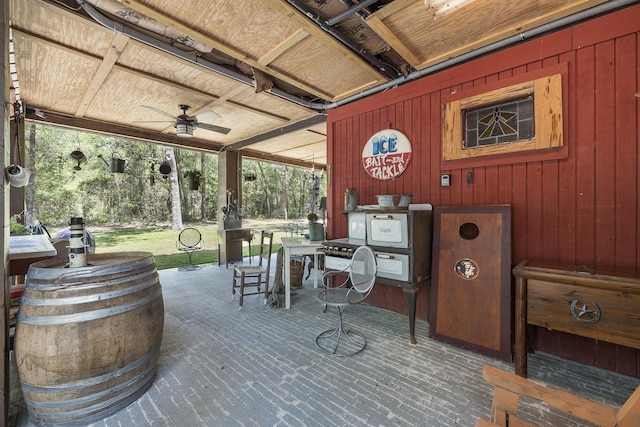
[
  {"x": 265, "y": 189},
  {"x": 176, "y": 207},
  {"x": 285, "y": 180},
  {"x": 31, "y": 186},
  {"x": 315, "y": 191},
  {"x": 203, "y": 191}
]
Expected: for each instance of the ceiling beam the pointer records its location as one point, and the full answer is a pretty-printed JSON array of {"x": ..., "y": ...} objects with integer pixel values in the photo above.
[
  {"x": 108, "y": 62},
  {"x": 96, "y": 126},
  {"x": 282, "y": 130}
]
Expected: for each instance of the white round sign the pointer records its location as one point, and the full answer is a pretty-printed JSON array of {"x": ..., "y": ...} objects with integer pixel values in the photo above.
[{"x": 386, "y": 154}]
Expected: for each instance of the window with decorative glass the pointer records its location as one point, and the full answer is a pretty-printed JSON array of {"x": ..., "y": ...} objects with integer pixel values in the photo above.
[{"x": 522, "y": 117}]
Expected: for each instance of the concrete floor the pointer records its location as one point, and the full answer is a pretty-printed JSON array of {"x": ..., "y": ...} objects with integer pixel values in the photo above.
[{"x": 260, "y": 367}]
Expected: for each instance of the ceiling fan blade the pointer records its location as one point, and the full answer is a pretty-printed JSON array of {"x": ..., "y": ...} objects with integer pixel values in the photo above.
[
  {"x": 159, "y": 111},
  {"x": 213, "y": 128},
  {"x": 155, "y": 121},
  {"x": 207, "y": 116}
]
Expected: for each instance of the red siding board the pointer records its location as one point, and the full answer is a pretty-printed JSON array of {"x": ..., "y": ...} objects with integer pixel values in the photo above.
[
  {"x": 626, "y": 210},
  {"x": 604, "y": 175},
  {"x": 519, "y": 212},
  {"x": 535, "y": 210},
  {"x": 585, "y": 162},
  {"x": 547, "y": 341},
  {"x": 626, "y": 361},
  {"x": 505, "y": 184},
  {"x": 606, "y": 356},
  {"x": 587, "y": 351},
  {"x": 550, "y": 178},
  {"x": 479, "y": 186},
  {"x": 567, "y": 346}
]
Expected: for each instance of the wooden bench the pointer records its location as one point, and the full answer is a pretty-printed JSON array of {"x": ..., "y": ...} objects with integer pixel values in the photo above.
[{"x": 510, "y": 387}]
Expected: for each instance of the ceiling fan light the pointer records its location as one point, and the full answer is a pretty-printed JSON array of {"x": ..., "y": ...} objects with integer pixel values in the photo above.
[{"x": 184, "y": 130}]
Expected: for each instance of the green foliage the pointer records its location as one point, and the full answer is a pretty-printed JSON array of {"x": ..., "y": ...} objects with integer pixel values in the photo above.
[
  {"x": 141, "y": 195},
  {"x": 289, "y": 189},
  {"x": 16, "y": 227}
]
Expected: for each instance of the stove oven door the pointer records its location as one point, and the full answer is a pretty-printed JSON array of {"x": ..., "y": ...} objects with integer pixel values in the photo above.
[
  {"x": 390, "y": 230},
  {"x": 393, "y": 266}
]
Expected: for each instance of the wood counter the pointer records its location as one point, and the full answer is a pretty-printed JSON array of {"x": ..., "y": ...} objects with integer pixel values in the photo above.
[{"x": 602, "y": 305}]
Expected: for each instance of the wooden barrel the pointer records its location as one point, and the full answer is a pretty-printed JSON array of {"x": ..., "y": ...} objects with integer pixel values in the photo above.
[{"x": 88, "y": 339}]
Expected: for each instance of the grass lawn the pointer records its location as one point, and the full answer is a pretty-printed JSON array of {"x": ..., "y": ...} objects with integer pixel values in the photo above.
[{"x": 161, "y": 241}]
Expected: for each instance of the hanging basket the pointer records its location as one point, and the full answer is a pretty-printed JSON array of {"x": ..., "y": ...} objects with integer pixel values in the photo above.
[{"x": 194, "y": 183}]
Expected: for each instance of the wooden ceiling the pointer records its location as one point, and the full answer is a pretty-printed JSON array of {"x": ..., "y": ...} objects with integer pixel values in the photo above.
[{"x": 270, "y": 68}]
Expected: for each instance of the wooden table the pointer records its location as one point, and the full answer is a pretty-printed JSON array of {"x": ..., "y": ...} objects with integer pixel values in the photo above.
[
  {"x": 601, "y": 305},
  {"x": 25, "y": 250},
  {"x": 230, "y": 244},
  {"x": 298, "y": 246}
]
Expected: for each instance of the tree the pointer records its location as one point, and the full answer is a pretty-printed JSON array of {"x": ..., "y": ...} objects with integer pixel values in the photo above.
[
  {"x": 31, "y": 186},
  {"x": 265, "y": 189},
  {"x": 203, "y": 187},
  {"x": 176, "y": 207}
]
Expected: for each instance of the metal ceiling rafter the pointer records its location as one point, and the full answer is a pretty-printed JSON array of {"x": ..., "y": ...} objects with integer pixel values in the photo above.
[{"x": 342, "y": 38}]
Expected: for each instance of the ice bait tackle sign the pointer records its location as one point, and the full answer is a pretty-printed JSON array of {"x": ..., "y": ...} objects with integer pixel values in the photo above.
[{"x": 386, "y": 154}]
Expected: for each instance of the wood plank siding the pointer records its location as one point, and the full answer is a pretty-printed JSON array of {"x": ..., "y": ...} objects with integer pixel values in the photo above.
[{"x": 579, "y": 208}]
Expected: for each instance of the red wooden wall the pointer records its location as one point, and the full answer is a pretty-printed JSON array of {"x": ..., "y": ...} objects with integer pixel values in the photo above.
[{"x": 583, "y": 209}]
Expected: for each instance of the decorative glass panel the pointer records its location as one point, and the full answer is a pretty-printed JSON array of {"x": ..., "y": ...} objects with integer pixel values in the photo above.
[{"x": 504, "y": 123}]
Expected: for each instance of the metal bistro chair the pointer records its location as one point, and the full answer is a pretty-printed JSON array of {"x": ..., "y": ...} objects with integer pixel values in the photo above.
[
  {"x": 189, "y": 241},
  {"x": 361, "y": 278},
  {"x": 255, "y": 276}
]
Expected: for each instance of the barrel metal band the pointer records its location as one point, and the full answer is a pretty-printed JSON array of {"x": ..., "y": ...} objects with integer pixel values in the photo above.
[
  {"x": 89, "y": 315},
  {"x": 88, "y": 298},
  {"x": 99, "y": 280},
  {"x": 101, "y": 409},
  {"x": 89, "y": 382}
]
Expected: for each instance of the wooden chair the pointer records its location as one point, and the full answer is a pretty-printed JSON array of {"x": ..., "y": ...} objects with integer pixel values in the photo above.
[
  {"x": 510, "y": 387},
  {"x": 254, "y": 276}
]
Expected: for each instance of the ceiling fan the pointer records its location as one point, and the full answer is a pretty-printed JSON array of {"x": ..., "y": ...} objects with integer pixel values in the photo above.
[{"x": 185, "y": 124}]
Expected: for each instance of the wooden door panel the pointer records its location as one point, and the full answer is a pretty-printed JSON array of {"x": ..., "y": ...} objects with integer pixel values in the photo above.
[{"x": 471, "y": 301}]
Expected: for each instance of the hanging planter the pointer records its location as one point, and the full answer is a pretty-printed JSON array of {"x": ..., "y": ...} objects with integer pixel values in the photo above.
[{"x": 194, "y": 179}]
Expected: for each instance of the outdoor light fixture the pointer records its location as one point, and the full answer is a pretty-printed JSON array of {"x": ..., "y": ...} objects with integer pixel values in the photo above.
[
  {"x": 184, "y": 130},
  {"x": 444, "y": 7},
  {"x": 17, "y": 175}
]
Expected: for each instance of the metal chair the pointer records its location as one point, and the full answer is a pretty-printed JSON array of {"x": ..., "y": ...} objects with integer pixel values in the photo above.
[
  {"x": 189, "y": 241},
  {"x": 353, "y": 290},
  {"x": 254, "y": 276},
  {"x": 292, "y": 229}
]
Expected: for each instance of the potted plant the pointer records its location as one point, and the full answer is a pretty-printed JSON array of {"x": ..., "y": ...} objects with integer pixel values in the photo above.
[
  {"x": 194, "y": 179},
  {"x": 316, "y": 230},
  {"x": 16, "y": 228}
]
